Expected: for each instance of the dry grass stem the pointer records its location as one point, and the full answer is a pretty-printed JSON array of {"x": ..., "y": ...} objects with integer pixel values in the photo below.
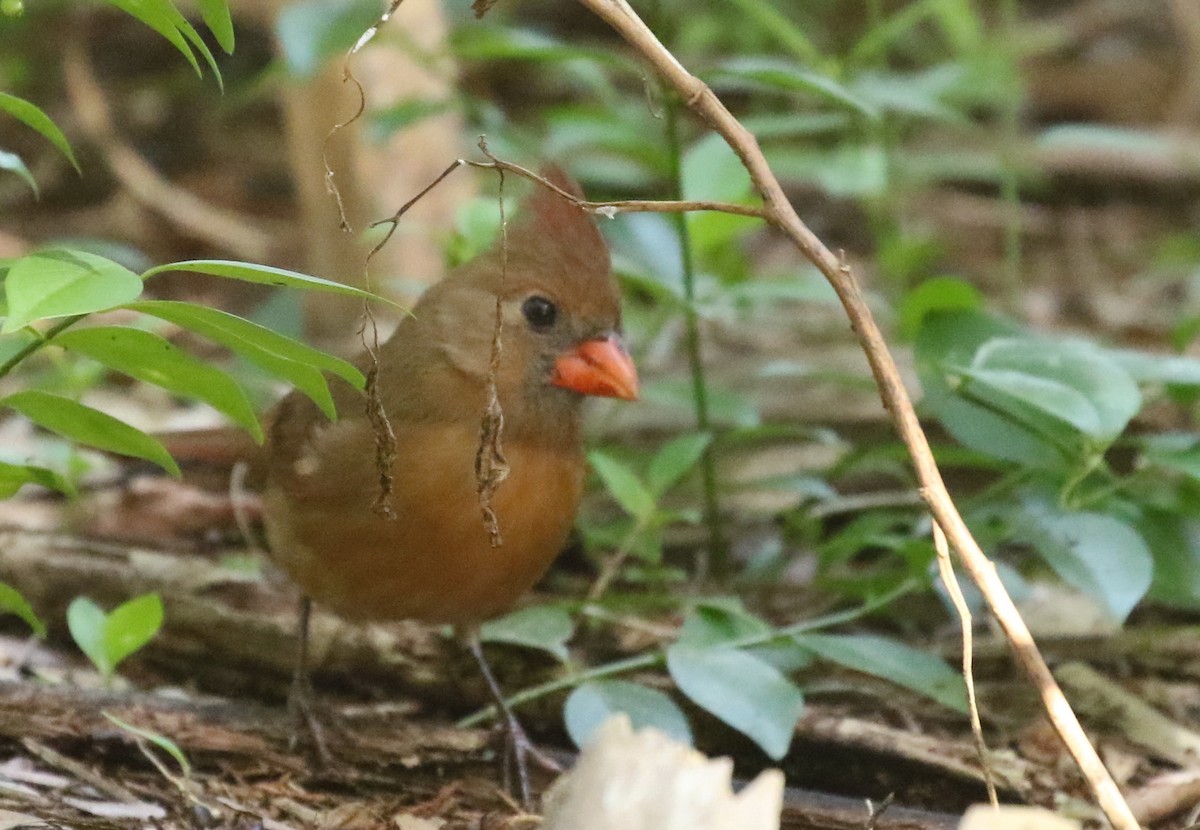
[{"x": 946, "y": 571}]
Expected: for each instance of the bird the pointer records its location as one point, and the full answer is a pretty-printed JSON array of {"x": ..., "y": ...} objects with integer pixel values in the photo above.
[{"x": 430, "y": 554}]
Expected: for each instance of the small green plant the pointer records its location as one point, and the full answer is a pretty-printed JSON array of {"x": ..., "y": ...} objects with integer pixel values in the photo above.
[
  {"x": 107, "y": 639},
  {"x": 47, "y": 293},
  {"x": 146, "y": 741},
  {"x": 1047, "y": 417},
  {"x": 739, "y": 668},
  {"x": 161, "y": 741},
  {"x": 13, "y": 602},
  {"x": 639, "y": 533}
]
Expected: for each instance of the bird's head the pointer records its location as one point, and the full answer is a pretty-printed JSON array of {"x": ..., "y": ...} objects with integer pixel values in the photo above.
[
  {"x": 561, "y": 306},
  {"x": 562, "y": 300}
]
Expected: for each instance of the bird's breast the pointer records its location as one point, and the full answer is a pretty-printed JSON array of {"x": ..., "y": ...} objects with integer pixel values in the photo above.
[{"x": 435, "y": 560}]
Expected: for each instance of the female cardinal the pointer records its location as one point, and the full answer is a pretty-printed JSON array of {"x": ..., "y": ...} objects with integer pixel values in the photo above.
[{"x": 433, "y": 558}]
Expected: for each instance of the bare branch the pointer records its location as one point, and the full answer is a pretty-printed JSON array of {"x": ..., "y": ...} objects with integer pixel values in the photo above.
[{"x": 780, "y": 213}]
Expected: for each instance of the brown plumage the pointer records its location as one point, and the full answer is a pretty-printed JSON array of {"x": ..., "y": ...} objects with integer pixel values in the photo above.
[{"x": 435, "y": 561}]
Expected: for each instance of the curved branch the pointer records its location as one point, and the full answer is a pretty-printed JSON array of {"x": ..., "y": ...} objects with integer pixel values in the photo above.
[{"x": 780, "y": 213}]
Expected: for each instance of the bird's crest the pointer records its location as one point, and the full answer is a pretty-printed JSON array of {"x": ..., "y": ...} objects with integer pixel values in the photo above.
[{"x": 555, "y": 231}]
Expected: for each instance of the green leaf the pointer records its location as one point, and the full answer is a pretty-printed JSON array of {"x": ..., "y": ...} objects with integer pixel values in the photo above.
[
  {"x": 674, "y": 461},
  {"x": 710, "y": 170},
  {"x": 153, "y": 359},
  {"x": 31, "y": 116},
  {"x": 160, "y": 16},
  {"x": 773, "y": 74},
  {"x": 11, "y": 602},
  {"x": 1179, "y": 451},
  {"x": 477, "y": 226},
  {"x": 919, "y": 94},
  {"x": 1175, "y": 545},
  {"x": 949, "y": 339},
  {"x": 623, "y": 485},
  {"x": 89, "y": 426},
  {"x": 892, "y": 660},
  {"x": 161, "y": 741},
  {"x": 959, "y": 22},
  {"x": 107, "y": 639},
  {"x": 545, "y": 627},
  {"x": 14, "y": 163},
  {"x": 282, "y": 356},
  {"x": 646, "y": 246},
  {"x": 745, "y": 692},
  {"x": 220, "y": 23},
  {"x": 1097, "y": 553},
  {"x": 311, "y": 31},
  {"x": 1105, "y": 138},
  {"x": 168, "y": 21},
  {"x": 131, "y": 625},
  {"x": 491, "y": 43},
  {"x": 1072, "y": 382},
  {"x": 725, "y": 406},
  {"x": 717, "y": 621},
  {"x": 264, "y": 275},
  {"x": 244, "y": 337},
  {"x": 591, "y": 704},
  {"x": 937, "y": 294},
  {"x": 87, "y": 621},
  {"x": 846, "y": 168},
  {"x": 13, "y": 476},
  {"x": 781, "y": 27},
  {"x": 62, "y": 283},
  {"x": 189, "y": 32},
  {"x": 1146, "y": 367},
  {"x": 1025, "y": 397}
]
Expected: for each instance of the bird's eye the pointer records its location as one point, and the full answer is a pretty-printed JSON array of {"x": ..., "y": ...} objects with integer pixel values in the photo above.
[{"x": 540, "y": 312}]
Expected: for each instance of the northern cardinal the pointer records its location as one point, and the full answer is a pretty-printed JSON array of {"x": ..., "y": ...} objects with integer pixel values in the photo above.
[{"x": 434, "y": 560}]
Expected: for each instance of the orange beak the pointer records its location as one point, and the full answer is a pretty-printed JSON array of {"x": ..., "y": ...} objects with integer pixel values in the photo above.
[{"x": 598, "y": 367}]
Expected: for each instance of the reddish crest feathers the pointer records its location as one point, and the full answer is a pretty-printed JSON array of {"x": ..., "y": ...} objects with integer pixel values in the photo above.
[{"x": 554, "y": 231}]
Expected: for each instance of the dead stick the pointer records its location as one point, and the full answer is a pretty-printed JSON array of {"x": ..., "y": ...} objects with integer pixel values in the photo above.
[{"x": 780, "y": 213}]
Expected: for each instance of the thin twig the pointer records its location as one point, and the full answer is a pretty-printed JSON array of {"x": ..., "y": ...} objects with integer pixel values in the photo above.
[
  {"x": 613, "y": 564},
  {"x": 331, "y": 187},
  {"x": 780, "y": 213},
  {"x": 715, "y": 558},
  {"x": 491, "y": 467},
  {"x": 950, "y": 581},
  {"x": 240, "y": 504},
  {"x": 44, "y": 339},
  {"x": 876, "y": 811},
  {"x": 607, "y": 209},
  {"x": 861, "y": 502}
]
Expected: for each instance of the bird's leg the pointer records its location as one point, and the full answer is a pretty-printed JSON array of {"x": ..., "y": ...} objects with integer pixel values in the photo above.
[
  {"x": 301, "y": 697},
  {"x": 518, "y": 748}
]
